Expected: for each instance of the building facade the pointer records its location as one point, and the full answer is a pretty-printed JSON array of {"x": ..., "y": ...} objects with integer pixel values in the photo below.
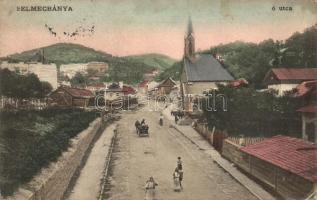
[{"x": 65, "y": 96}]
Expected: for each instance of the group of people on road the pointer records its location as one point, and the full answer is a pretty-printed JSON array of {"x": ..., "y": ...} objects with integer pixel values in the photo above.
[
  {"x": 141, "y": 124},
  {"x": 177, "y": 115},
  {"x": 177, "y": 180}
]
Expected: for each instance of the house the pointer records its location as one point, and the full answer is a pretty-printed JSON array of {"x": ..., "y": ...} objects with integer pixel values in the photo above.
[
  {"x": 151, "y": 74},
  {"x": 96, "y": 87},
  {"x": 287, "y": 79},
  {"x": 100, "y": 68},
  {"x": 165, "y": 87},
  {"x": 307, "y": 91},
  {"x": 309, "y": 122},
  {"x": 286, "y": 164},
  {"x": 201, "y": 72},
  {"x": 65, "y": 96},
  {"x": 143, "y": 86},
  {"x": 70, "y": 70},
  {"x": 128, "y": 90},
  {"x": 114, "y": 92}
]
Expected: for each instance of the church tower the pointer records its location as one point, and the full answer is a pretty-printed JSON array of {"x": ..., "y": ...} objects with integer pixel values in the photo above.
[{"x": 189, "y": 50}]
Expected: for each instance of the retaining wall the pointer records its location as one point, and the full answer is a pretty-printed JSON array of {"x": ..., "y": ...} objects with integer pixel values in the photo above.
[{"x": 52, "y": 182}]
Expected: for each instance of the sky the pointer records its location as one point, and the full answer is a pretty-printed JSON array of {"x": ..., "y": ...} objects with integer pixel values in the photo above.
[{"x": 130, "y": 27}]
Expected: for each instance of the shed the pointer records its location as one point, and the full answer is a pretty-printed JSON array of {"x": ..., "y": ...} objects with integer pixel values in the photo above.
[{"x": 287, "y": 164}]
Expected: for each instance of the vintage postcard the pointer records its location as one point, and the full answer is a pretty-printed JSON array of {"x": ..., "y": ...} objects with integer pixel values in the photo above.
[{"x": 165, "y": 99}]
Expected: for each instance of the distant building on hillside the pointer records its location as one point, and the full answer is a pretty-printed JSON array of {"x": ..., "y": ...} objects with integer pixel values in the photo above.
[
  {"x": 65, "y": 96},
  {"x": 200, "y": 73},
  {"x": 100, "y": 67},
  {"x": 45, "y": 72},
  {"x": 151, "y": 75},
  {"x": 69, "y": 70},
  {"x": 287, "y": 79}
]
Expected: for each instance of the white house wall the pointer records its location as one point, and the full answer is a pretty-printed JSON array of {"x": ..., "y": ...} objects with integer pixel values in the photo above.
[{"x": 281, "y": 88}]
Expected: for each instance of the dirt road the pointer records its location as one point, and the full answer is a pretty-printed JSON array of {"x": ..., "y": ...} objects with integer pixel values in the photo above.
[{"x": 135, "y": 159}]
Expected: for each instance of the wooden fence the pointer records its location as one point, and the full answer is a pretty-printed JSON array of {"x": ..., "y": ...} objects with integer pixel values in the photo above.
[{"x": 216, "y": 137}]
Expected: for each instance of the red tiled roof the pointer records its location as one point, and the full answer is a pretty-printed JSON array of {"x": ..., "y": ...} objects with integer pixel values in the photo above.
[
  {"x": 291, "y": 154},
  {"x": 238, "y": 83},
  {"x": 305, "y": 88},
  {"x": 295, "y": 73},
  {"x": 128, "y": 90},
  {"x": 78, "y": 92},
  {"x": 308, "y": 109}
]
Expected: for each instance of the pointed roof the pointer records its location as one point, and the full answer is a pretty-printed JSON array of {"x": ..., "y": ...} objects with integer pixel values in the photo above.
[
  {"x": 190, "y": 29},
  {"x": 164, "y": 81},
  {"x": 205, "y": 68}
]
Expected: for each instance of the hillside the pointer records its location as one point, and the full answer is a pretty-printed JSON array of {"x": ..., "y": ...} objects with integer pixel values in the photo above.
[
  {"x": 154, "y": 60},
  {"x": 129, "y": 69},
  {"x": 174, "y": 72},
  {"x": 64, "y": 53}
]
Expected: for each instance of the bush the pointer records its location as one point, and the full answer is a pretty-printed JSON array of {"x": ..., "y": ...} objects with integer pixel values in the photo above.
[{"x": 30, "y": 140}]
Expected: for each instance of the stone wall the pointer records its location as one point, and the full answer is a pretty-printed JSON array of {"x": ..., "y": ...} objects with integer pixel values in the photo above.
[
  {"x": 52, "y": 182},
  {"x": 287, "y": 184}
]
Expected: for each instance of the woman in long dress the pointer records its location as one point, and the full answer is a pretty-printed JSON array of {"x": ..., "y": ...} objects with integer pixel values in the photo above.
[
  {"x": 150, "y": 189},
  {"x": 176, "y": 177}
]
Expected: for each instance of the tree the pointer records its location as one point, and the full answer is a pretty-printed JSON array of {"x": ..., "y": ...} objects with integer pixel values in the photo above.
[
  {"x": 22, "y": 86},
  {"x": 253, "y": 113},
  {"x": 78, "y": 80},
  {"x": 46, "y": 88}
]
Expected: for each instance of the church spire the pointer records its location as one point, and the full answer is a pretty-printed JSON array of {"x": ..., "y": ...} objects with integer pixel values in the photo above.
[
  {"x": 189, "y": 50},
  {"x": 190, "y": 29}
]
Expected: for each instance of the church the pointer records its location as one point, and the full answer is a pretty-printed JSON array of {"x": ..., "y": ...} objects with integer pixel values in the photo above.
[{"x": 201, "y": 72}]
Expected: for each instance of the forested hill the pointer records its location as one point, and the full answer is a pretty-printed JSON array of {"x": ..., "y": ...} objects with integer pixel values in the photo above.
[
  {"x": 252, "y": 61},
  {"x": 155, "y": 60},
  {"x": 129, "y": 69},
  {"x": 63, "y": 53}
]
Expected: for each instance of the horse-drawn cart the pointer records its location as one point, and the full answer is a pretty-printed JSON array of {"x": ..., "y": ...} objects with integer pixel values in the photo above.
[{"x": 142, "y": 129}]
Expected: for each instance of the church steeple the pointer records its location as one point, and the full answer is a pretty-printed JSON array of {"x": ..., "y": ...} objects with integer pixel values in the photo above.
[
  {"x": 190, "y": 29},
  {"x": 189, "y": 50}
]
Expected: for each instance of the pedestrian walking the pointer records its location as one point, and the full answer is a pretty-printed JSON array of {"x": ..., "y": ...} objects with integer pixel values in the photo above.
[
  {"x": 180, "y": 170},
  {"x": 150, "y": 189},
  {"x": 176, "y": 119},
  {"x": 176, "y": 175}
]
